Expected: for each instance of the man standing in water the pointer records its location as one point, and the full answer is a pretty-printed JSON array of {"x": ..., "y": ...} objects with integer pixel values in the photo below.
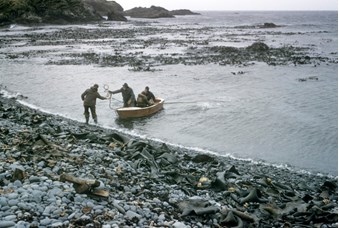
[
  {"x": 89, "y": 97},
  {"x": 127, "y": 95}
]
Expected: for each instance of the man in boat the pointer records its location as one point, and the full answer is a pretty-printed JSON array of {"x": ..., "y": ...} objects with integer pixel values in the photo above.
[
  {"x": 145, "y": 98},
  {"x": 127, "y": 95},
  {"x": 89, "y": 97}
]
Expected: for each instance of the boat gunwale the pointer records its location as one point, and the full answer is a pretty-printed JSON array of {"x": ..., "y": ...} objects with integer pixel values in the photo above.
[
  {"x": 161, "y": 101},
  {"x": 130, "y": 112}
]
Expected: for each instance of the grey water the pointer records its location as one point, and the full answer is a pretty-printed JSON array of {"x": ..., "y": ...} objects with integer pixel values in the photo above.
[{"x": 264, "y": 115}]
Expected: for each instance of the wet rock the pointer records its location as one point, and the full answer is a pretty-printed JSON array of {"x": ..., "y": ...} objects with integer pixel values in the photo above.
[
  {"x": 258, "y": 47},
  {"x": 203, "y": 158},
  {"x": 268, "y": 25}
]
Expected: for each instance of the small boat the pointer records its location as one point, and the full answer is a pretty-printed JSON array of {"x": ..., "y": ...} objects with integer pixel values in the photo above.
[{"x": 135, "y": 112}]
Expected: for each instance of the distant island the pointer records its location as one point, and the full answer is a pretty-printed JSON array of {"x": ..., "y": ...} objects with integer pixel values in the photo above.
[
  {"x": 183, "y": 12},
  {"x": 155, "y": 12},
  {"x": 75, "y": 11}
]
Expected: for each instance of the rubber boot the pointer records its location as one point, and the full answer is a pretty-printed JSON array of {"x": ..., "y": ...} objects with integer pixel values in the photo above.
[
  {"x": 95, "y": 120},
  {"x": 87, "y": 119}
]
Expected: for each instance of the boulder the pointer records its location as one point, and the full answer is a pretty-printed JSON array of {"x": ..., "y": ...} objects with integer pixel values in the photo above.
[
  {"x": 268, "y": 25},
  {"x": 258, "y": 47},
  {"x": 152, "y": 12},
  {"x": 114, "y": 16}
]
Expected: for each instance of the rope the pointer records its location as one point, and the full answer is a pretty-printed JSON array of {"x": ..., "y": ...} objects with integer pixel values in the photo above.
[
  {"x": 110, "y": 101},
  {"x": 109, "y": 96},
  {"x": 194, "y": 102},
  {"x": 182, "y": 102}
]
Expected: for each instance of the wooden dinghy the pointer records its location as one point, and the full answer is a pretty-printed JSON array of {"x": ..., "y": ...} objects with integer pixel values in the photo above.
[{"x": 135, "y": 112}]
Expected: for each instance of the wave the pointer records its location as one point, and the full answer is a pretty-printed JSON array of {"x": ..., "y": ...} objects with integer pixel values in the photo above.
[{"x": 10, "y": 95}]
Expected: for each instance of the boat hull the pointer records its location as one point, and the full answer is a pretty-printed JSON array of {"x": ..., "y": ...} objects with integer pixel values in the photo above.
[{"x": 136, "y": 112}]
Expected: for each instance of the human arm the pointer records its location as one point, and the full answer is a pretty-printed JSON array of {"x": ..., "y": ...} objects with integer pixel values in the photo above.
[
  {"x": 83, "y": 95},
  {"x": 115, "y": 91},
  {"x": 101, "y": 97},
  {"x": 152, "y": 96}
]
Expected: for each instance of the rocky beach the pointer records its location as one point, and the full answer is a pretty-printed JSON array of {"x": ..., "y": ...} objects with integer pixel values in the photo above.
[{"x": 57, "y": 172}]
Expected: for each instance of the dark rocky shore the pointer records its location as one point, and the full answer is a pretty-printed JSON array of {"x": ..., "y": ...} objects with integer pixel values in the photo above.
[
  {"x": 75, "y": 11},
  {"x": 56, "y": 172}
]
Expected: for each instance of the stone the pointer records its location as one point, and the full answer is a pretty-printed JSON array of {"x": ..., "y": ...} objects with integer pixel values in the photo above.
[{"x": 4, "y": 224}]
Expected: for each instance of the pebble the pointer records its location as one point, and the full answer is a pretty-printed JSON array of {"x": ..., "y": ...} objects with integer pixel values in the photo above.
[
  {"x": 10, "y": 218},
  {"x": 3, "y": 201},
  {"x": 179, "y": 225},
  {"x": 4, "y": 224},
  {"x": 131, "y": 215}
]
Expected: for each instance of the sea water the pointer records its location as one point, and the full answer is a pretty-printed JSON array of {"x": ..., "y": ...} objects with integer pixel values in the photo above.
[{"x": 265, "y": 114}]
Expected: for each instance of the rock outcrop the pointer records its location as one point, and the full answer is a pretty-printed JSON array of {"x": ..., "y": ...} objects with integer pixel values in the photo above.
[
  {"x": 45, "y": 11},
  {"x": 182, "y": 12},
  {"x": 114, "y": 16},
  {"x": 152, "y": 12},
  {"x": 111, "y": 9},
  {"x": 269, "y": 25},
  {"x": 75, "y": 11}
]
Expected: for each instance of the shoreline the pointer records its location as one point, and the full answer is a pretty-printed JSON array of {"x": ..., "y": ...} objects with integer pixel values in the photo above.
[
  {"x": 142, "y": 183},
  {"x": 190, "y": 149}
]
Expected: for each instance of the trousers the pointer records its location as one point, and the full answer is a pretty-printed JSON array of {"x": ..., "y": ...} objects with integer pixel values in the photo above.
[{"x": 93, "y": 112}]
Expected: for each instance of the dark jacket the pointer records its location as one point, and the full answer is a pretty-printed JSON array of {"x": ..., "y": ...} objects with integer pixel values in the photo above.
[
  {"x": 149, "y": 95},
  {"x": 90, "y": 95},
  {"x": 127, "y": 94}
]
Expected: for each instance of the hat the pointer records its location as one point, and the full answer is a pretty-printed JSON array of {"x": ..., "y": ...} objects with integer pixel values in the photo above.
[
  {"x": 95, "y": 86},
  {"x": 125, "y": 85},
  {"x": 147, "y": 87}
]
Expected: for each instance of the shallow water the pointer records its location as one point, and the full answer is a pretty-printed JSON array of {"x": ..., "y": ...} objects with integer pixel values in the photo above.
[{"x": 265, "y": 114}]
